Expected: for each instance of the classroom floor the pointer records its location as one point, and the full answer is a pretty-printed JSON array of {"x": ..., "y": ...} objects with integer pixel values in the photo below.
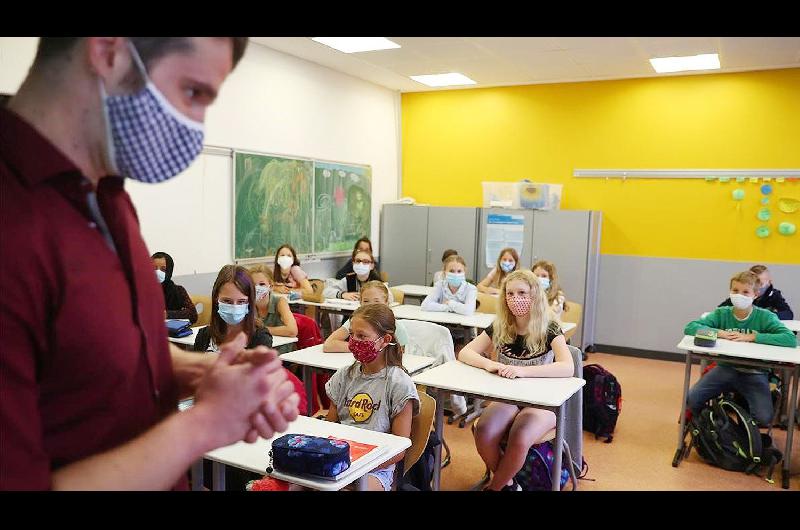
[{"x": 640, "y": 456}]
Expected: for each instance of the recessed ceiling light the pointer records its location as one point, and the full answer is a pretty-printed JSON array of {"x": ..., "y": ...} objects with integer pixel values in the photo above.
[
  {"x": 707, "y": 61},
  {"x": 357, "y": 44},
  {"x": 451, "y": 79}
]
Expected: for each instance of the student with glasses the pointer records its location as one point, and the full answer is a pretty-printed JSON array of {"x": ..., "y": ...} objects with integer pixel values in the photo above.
[{"x": 348, "y": 287}]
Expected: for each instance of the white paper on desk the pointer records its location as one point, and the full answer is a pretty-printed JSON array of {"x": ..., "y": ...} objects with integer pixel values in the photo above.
[
  {"x": 502, "y": 231},
  {"x": 340, "y": 301}
]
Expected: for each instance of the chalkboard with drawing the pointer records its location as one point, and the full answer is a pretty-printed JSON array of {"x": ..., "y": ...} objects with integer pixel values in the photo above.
[{"x": 318, "y": 207}]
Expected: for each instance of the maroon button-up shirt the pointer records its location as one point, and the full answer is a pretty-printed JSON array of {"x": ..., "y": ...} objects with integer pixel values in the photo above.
[{"x": 84, "y": 357}]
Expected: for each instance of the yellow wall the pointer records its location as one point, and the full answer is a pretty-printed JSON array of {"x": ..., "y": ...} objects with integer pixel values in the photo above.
[{"x": 453, "y": 140}]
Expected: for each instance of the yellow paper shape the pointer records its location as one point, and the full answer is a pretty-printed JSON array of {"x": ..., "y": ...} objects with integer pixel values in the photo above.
[
  {"x": 788, "y": 204},
  {"x": 767, "y": 179},
  {"x": 779, "y": 179},
  {"x": 753, "y": 179}
]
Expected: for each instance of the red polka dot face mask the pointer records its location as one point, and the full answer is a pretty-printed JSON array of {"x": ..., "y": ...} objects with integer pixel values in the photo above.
[
  {"x": 519, "y": 305},
  {"x": 363, "y": 350}
]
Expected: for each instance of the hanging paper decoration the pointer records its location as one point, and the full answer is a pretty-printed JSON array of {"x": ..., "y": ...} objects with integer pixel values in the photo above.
[
  {"x": 788, "y": 204},
  {"x": 779, "y": 179},
  {"x": 766, "y": 189},
  {"x": 740, "y": 179},
  {"x": 786, "y": 228},
  {"x": 724, "y": 179},
  {"x": 737, "y": 194},
  {"x": 763, "y": 214},
  {"x": 754, "y": 179},
  {"x": 710, "y": 179},
  {"x": 765, "y": 201},
  {"x": 762, "y": 231},
  {"x": 767, "y": 179}
]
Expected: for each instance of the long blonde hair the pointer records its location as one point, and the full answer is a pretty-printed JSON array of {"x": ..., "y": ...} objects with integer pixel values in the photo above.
[
  {"x": 555, "y": 289},
  {"x": 505, "y": 327},
  {"x": 374, "y": 284}
]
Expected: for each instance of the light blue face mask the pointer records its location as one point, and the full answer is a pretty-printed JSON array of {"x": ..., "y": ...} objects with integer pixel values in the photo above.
[
  {"x": 161, "y": 275},
  {"x": 455, "y": 279},
  {"x": 232, "y": 314},
  {"x": 507, "y": 266},
  {"x": 545, "y": 283}
]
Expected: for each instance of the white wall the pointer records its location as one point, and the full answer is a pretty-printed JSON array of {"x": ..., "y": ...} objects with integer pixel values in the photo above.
[{"x": 272, "y": 103}]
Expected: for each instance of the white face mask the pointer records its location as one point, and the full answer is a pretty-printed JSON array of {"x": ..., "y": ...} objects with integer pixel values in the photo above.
[
  {"x": 741, "y": 301},
  {"x": 161, "y": 275},
  {"x": 262, "y": 291},
  {"x": 361, "y": 269},
  {"x": 285, "y": 262}
]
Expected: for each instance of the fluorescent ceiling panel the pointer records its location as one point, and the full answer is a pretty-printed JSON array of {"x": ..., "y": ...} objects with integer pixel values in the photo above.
[
  {"x": 437, "y": 80},
  {"x": 357, "y": 44},
  {"x": 707, "y": 61}
]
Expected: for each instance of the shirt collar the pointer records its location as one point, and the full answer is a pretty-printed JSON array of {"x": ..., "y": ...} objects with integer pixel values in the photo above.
[{"x": 32, "y": 156}]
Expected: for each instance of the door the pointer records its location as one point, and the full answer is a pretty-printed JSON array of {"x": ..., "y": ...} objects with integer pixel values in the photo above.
[
  {"x": 503, "y": 227},
  {"x": 454, "y": 228},
  {"x": 404, "y": 234}
]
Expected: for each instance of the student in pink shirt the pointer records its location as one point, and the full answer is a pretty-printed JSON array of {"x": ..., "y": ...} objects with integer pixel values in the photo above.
[{"x": 288, "y": 274}]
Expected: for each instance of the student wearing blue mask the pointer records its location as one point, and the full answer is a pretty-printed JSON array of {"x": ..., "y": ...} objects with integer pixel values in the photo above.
[
  {"x": 507, "y": 262},
  {"x": 177, "y": 301},
  {"x": 233, "y": 311},
  {"x": 548, "y": 279},
  {"x": 453, "y": 293}
]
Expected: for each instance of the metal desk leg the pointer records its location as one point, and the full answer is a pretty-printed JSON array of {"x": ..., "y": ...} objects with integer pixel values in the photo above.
[
  {"x": 308, "y": 380},
  {"x": 439, "y": 427},
  {"x": 197, "y": 475},
  {"x": 218, "y": 476},
  {"x": 787, "y": 455},
  {"x": 703, "y": 365},
  {"x": 558, "y": 449},
  {"x": 362, "y": 484},
  {"x": 681, "y": 430}
]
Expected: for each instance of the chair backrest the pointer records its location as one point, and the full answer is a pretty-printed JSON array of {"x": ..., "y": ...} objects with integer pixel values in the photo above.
[
  {"x": 308, "y": 333},
  {"x": 317, "y": 286},
  {"x": 420, "y": 429},
  {"x": 573, "y": 412},
  {"x": 573, "y": 313},
  {"x": 203, "y": 305},
  {"x": 398, "y": 295},
  {"x": 384, "y": 277},
  {"x": 430, "y": 340},
  {"x": 486, "y": 303}
]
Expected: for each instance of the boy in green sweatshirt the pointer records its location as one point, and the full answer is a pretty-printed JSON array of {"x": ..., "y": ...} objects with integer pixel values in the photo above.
[{"x": 741, "y": 322}]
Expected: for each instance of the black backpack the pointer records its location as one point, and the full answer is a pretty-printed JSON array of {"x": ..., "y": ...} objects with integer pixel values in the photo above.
[
  {"x": 602, "y": 401},
  {"x": 726, "y": 436}
]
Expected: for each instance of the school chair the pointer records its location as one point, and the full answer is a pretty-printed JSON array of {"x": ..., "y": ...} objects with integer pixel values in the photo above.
[
  {"x": 317, "y": 286},
  {"x": 573, "y": 429},
  {"x": 421, "y": 427},
  {"x": 486, "y": 303},
  {"x": 572, "y": 313},
  {"x": 202, "y": 304},
  {"x": 398, "y": 295},
  {"x": 384, "y": 277}
]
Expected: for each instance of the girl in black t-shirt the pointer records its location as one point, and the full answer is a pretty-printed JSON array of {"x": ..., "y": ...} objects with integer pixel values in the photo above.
[{"x": 528, "y": 344}]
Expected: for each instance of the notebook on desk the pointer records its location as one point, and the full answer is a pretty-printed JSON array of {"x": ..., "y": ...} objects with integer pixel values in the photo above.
[{"x": 357, "y": 450}]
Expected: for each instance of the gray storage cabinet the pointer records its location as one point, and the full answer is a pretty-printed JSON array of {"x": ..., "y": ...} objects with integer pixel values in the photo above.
[{"x": 413, "y": 239}]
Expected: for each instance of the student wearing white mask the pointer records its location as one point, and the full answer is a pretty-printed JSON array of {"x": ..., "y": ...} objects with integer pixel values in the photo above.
[
  {"x": 507, "y": 262},
  {"x": 453, "y": 293},
  {"x": 742, "y": 322},
  {"x": 272, "y": 310},
  {"x": 768, "y": 297},
  {"x": 548, "y": 279},
  {"x": 177, "y": 301},
  {"x": 287, "y": 275},
  {"x": 349, "y": 287}
]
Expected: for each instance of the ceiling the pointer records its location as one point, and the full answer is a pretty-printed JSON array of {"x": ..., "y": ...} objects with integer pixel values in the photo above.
[{"x": 501, "y": 61}]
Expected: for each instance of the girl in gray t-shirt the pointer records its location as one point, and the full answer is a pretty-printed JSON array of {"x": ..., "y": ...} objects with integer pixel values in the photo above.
[{"x": 375, "y": 392}]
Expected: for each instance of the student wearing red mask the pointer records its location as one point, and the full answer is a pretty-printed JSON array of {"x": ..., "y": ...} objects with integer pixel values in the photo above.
[{"x": 375, "y": 392}]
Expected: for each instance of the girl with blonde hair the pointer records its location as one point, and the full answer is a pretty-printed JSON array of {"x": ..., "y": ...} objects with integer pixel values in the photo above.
[{"x": 528, "y": 344}]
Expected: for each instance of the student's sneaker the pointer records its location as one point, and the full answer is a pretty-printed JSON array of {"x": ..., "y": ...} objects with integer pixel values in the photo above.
[{"x": 513, "y": 487}]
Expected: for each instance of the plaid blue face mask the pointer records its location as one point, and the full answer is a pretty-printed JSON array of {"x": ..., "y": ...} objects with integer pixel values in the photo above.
[{"x": 148, "y": 139}]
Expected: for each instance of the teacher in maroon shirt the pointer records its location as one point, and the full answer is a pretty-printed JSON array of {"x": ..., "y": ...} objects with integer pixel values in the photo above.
[{"x": 88, "y": 382}]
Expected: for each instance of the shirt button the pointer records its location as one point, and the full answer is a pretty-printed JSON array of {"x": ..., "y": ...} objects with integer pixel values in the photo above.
[
  {"x": 156, "y": 394},
  {"x": 92, "y": 225}
]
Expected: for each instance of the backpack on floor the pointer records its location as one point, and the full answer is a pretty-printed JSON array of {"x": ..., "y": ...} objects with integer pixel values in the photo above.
[
  {"x": 602, "y": 401},
  {"x": 535, "y": 473},
  {"x": 726, "y": 436},
  {"x": 420, "y": 475}
]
